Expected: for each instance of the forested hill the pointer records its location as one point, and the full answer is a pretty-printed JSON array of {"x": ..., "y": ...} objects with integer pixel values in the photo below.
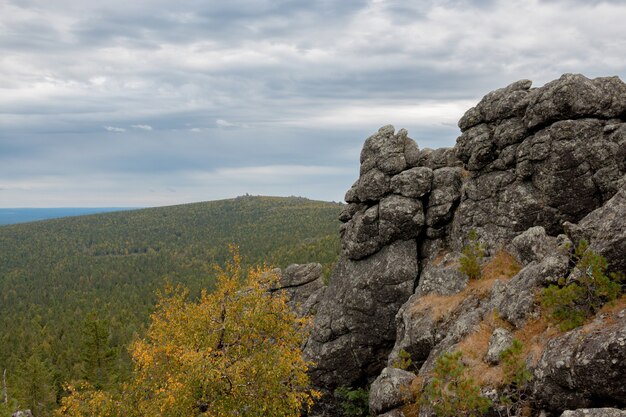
[{"x": 59, "y": 278}]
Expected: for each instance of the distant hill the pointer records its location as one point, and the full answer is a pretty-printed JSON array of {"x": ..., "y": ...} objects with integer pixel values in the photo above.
[
  {"x": 24, "y": 215},
  {"x": 55, "y": 274}
]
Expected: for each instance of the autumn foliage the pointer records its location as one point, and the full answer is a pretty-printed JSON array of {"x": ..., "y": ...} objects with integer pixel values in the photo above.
[{"x": 234, "y": 352}]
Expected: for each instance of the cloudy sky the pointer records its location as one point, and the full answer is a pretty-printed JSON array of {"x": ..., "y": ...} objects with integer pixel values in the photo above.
[{"x": 146, "y": 103}]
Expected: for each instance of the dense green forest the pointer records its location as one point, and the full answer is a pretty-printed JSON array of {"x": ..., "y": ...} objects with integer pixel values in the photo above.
[{"x": 75, "y": 292}]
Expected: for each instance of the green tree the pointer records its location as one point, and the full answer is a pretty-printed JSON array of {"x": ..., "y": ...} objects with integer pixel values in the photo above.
[
  {"x": 97, "y": 355},
  {"x": 570, "y": 304},
  {"x": 36, "y": 389},
  {"x": 452, "y": 393},
  {"x": 473, "y": 253}
]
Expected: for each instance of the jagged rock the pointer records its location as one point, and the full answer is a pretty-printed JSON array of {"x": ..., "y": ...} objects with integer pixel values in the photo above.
[
  {"x": 386, "y": 151},
  {"x": 605, "y": 230},
  {"x": 413, "y": 183},
  {"x": 349, "y": 210},
  {"x": 503, "y": 103},
  {"x": 594, "y": 412},
  {"x": 574, "y": 96},
  {"x": 527, "y": 161},
  {"x": 584, "y": 367},
  {"x": 390, "y": 390},
  {"x": 25, "y": 413},
  {"x": 304, "y": 286},
  {"x": 500, "y": 340},
  {"x": 351, "y": 194},
  {"x": 354, "y": 328},
  {"x": 515, "y": 300}
]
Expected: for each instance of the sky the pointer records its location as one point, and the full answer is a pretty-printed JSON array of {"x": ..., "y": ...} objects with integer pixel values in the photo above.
[{"x": 152, "y": 103}]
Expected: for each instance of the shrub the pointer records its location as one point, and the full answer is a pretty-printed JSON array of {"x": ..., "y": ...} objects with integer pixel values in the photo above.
[
  {"x": 570, "y": 304},
  {"x": 516, "y": 379},
  {"x": 516, "y": 373},
  {"x": 403, "y": 361},
  {"x": 355, "y": 402},
  {"x": 451, "y": 393},
  {"x": 473, "y": 253}
]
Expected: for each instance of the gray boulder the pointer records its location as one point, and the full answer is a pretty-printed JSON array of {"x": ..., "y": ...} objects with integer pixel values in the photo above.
[
  {"x": 503, "y": 103},
  {"x": 413, "y": 183},
  {"x": 594, "y": 412},
  {"x": 390, "y": 390},
  {"x": 386, "y": 151},
  {"x": 500, "y": 340},
  {"x": 584, "y": 366},
  {"x": 442, "y": 277}
]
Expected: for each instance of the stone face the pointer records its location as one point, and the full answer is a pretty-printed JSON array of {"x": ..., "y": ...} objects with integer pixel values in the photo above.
[
  {"x": 354, "y": 328},
  {"x": 385, "y": 151},
  {"x": 373, "y": 185},
  {"x": 584, "y": 365},
  {"x": 390, "y": 390}
]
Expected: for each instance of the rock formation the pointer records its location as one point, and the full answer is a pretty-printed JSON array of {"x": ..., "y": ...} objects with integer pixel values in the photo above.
[{"x": 534, "y": 171}]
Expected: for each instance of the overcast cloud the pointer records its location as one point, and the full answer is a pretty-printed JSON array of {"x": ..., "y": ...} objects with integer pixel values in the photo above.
[{"x": 143, "y": 103}]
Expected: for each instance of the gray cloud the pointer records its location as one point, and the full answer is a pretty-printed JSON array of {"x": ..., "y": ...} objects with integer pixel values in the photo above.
[{"x": 105, "y": 102}]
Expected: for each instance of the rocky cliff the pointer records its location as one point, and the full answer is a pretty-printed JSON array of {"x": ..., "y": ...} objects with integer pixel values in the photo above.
[{"x": 534, "y": 171}]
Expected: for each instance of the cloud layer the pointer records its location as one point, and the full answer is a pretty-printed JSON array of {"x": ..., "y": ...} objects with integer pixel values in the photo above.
[{"x": 160, "y": 102}]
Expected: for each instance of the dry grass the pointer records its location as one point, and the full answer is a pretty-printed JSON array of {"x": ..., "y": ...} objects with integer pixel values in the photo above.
[
  {"x": 413, "y": 409},
  {"x": 501, "y": 267},
  {"x": 534, "y": 336},
  {"x": 475, "y": 347},
  {"x": 614, "y": 306},
  {"x": 439, "y": 306}
]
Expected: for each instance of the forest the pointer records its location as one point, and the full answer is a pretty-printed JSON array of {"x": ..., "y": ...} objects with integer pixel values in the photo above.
[{"x": 77, "y": 292}]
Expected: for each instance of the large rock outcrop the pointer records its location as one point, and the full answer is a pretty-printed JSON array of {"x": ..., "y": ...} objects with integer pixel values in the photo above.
[
  {"x": 534, "y": 171},
  {"x": 354, "y": 326},
  {"x": 539, "y": 157}
]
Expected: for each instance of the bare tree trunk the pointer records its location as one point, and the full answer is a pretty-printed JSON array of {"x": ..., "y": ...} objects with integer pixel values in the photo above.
[{"x": 4, "y": 384}]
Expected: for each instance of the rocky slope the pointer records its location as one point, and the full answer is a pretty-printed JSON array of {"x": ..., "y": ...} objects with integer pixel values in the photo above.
[{"x": 534, "y": 171}]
